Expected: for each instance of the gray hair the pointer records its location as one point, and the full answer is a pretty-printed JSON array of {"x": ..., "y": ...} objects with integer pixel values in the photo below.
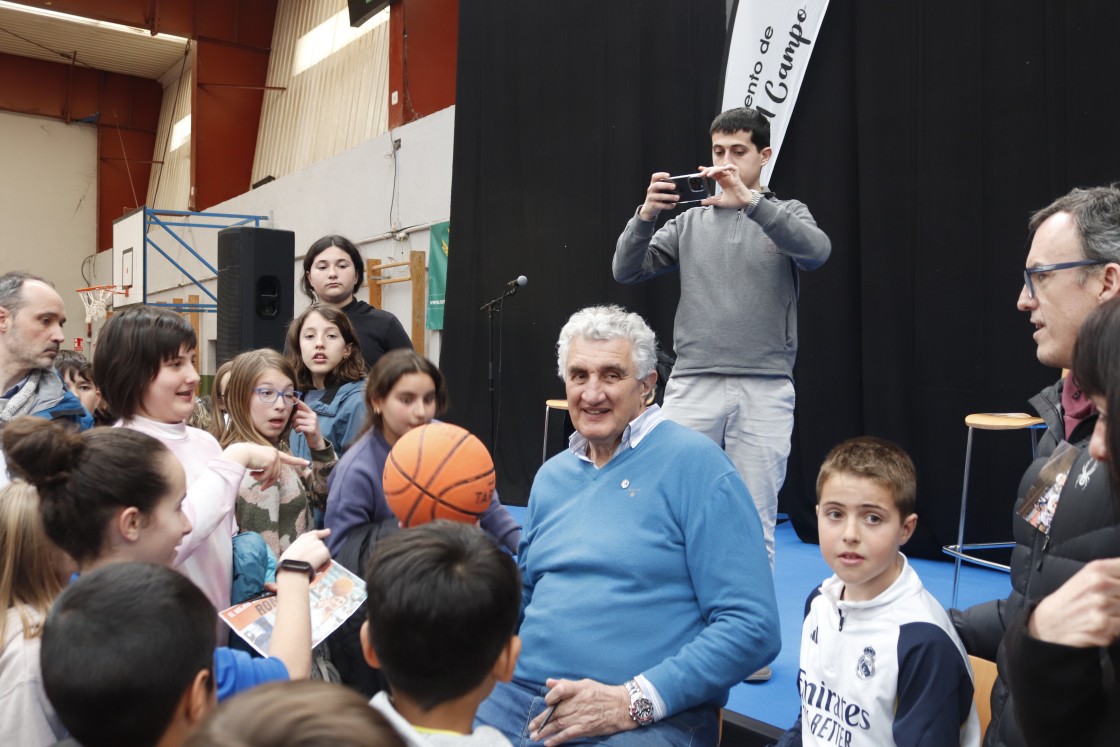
[
  {"x": 609, "y": 323},
  {"x": 11, "y": 289},
  {"x": 1096, "y": 212}
]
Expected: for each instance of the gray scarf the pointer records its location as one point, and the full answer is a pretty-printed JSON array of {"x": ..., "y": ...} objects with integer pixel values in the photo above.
[{"x": 23, "y": 401}]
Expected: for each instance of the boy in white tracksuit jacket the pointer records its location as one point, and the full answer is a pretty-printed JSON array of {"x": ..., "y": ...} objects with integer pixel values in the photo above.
[{"x": 880, "y": 661}]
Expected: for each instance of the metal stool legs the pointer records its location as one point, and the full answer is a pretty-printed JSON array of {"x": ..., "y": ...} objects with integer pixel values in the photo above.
[{"x": 959, "y": 551}]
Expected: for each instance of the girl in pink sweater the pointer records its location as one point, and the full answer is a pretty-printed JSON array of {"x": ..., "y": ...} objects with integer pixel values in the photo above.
[{"x": 144, "y": 363}]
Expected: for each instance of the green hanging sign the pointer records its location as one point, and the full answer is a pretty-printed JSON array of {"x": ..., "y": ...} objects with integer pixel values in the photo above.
[{"x": 437, "y": 273}]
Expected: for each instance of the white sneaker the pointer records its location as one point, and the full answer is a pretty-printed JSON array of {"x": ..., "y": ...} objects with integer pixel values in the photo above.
[{"x": 762, "y": 675}]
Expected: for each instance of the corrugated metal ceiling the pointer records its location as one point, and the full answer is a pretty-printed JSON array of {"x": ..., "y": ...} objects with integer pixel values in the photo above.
[
  {"x": 104, "y": 46},
  {"x": 336, "y": 86}
]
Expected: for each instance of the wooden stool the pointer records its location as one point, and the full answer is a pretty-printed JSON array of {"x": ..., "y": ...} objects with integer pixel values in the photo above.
[
  {"x": 1012, "y": 421},
  {"x": 549, "y": 406}
]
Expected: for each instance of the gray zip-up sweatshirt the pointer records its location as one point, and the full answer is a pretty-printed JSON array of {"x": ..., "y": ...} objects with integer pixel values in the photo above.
[{"x": 738, "y": 309}]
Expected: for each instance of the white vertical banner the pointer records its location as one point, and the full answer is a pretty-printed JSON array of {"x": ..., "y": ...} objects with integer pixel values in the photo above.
[{"x": 768, "y": 51}]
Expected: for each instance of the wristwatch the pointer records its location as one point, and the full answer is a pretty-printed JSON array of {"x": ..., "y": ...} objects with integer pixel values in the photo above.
[
  {"x": 299, "y": 566},
  {"x": 641, "y": 707}
]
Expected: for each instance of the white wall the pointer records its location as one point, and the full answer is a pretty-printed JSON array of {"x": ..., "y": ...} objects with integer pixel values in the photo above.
[
  {"x": 48, "y": 204},
  {"x": 364, "y": 193}
]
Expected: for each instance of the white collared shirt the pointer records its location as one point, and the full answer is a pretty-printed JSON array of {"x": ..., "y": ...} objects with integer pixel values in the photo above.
[{"x": 632, "y": 435}]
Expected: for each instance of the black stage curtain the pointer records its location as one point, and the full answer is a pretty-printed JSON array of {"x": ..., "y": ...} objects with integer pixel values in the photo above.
[{"x": 925, "y": 134}]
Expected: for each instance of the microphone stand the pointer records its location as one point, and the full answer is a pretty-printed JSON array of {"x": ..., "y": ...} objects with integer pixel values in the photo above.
[{"x": 492, "y": 309}]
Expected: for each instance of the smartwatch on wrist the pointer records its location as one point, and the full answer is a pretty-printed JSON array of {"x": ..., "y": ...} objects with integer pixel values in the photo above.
[
  {"x": 299, "y": 566},
  {"x": 641, "y": 707}
]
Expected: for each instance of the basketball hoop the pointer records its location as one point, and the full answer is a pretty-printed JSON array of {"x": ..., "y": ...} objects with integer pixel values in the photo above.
[{"x": 96, "y": 302}]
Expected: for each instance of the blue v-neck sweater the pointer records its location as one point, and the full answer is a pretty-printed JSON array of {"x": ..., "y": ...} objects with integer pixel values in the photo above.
[{"x": 654, "y": 565}]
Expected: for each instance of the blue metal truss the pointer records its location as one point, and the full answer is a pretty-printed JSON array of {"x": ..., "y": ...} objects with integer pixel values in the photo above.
[{"x": 151, "y": 218}]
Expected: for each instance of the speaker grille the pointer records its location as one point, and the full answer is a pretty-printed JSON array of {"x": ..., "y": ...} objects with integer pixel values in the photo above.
[{"x": 255, "y": 289}]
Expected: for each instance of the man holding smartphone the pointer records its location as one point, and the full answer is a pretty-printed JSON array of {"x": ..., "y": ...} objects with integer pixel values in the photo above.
[{"x": 735, "y": 333}]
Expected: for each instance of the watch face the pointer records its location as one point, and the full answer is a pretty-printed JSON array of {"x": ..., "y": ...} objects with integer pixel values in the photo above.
[{"x": 641, "y": 710}]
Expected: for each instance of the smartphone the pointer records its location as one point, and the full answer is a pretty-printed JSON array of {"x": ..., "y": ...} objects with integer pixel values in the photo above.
[{"x": 692, "y": 188}]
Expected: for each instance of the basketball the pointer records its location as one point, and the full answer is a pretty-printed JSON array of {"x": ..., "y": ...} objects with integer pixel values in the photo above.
[{"x": 438, "y": 471}]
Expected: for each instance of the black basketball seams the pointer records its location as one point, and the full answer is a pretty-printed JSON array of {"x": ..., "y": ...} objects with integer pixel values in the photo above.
[{"x": 447, "y": 457}]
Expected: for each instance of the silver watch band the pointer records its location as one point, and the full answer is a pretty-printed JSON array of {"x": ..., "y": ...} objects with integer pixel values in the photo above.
[{"x": 641, "y": 707}]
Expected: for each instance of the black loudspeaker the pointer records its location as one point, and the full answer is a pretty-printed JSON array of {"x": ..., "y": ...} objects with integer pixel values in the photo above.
[
  {"x": 255, "y": 289},
  {"x": 363, "y": 10}
]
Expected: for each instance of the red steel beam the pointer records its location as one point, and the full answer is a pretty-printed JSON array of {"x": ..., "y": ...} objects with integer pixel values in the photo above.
[
  {"x": 247, "y": 22},
  {"x": 423, "y": 44},
  {"x": 228, "y": 90}
]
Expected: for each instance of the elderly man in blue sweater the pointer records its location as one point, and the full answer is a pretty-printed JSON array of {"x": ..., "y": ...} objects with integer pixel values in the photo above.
[{"x": 639, "y": 609}]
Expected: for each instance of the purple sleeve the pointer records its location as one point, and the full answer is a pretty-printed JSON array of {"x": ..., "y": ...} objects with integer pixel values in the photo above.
[
  {"x": 354, "y": 493},
  {"x": 500, "y": 524}
]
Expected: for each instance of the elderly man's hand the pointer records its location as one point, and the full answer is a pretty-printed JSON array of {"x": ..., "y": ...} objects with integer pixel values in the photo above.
[
  {"x": 583, "y": 709},
  {"x": 1085, "y": 611}
]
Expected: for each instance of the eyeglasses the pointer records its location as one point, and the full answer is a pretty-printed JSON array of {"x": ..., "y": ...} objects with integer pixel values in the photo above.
[
  {"x": 268, "y": 395},
  {"x": 1027, "y": 273}
]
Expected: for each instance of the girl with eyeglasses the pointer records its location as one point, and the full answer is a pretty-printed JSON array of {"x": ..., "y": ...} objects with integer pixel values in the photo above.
[
  {"x": 144, "y": 364},
  {"x": 264, "y": 407}
]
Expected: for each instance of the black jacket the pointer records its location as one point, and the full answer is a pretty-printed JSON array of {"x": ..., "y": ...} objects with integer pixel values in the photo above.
[
  {"x": 1085, "y": 527},
  {"x": 1063, "y": 695},
  {"x": 345, "y": 644}
]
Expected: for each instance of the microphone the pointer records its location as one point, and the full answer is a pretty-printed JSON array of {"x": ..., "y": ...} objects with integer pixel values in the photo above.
[{"x": 511, "y": 288}]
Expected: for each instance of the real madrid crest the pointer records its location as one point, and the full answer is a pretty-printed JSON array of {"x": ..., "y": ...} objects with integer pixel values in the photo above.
[{"x": 865, "y": 666}]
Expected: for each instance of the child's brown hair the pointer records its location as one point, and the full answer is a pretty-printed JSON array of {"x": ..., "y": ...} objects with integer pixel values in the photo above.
[
  {"x": 291, "y": 714},
  {"x": 878, "y": 460}
]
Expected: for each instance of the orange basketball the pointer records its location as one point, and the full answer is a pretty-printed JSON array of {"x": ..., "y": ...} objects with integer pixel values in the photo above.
[{"x": 438, "y": 471}]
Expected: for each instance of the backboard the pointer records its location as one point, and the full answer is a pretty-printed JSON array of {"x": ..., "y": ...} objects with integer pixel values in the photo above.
[{"x": 128, "y": 257}]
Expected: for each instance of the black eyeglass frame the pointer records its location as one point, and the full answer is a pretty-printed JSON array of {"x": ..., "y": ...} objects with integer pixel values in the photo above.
[{"x": 1029, "y": 271}]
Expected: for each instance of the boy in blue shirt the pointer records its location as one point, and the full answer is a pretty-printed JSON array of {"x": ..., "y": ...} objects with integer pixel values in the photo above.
[{"x": 129, "y": 651}]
